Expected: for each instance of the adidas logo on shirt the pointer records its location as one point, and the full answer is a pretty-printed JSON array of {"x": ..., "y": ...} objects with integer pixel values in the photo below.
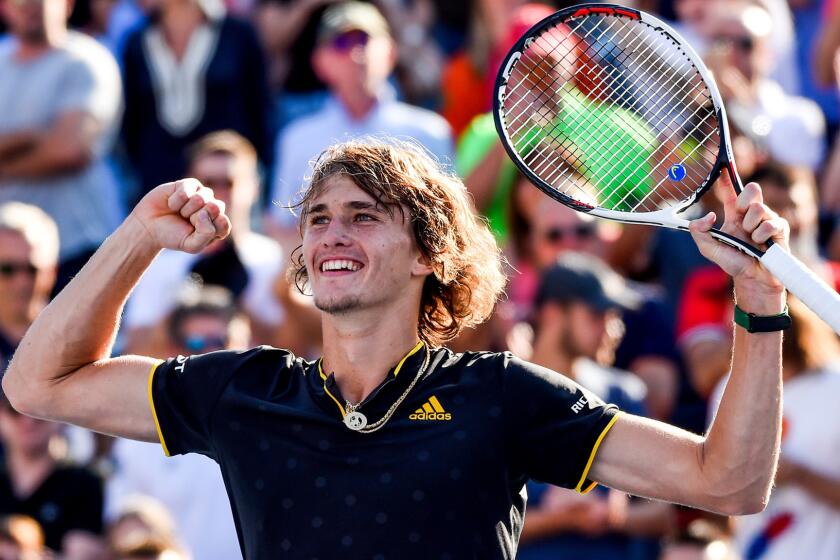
[{"x": 431, "y": 410}]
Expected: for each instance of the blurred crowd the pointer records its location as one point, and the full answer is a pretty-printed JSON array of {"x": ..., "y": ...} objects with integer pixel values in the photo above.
[{"x": 102, "y": 100}]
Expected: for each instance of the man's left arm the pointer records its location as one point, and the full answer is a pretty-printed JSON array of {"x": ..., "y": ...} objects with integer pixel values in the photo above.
[
  {"x": 90, "y": 105},
  {"x": 731, "y": 469},
  {"x": 67, "y": 146},
  {"x": 13, "y": 143}
]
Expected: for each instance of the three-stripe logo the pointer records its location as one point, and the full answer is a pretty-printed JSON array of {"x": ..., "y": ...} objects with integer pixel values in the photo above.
[{"x": 431, "y": 410}]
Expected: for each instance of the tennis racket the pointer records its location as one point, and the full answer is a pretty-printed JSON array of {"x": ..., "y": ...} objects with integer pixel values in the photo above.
[{"x": 610, "y": 112}]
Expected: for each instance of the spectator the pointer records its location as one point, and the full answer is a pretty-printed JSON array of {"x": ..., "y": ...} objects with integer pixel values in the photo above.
[
  {"x": 577, "y": 305},
  {"x": 190, "y": 486},
  {"x": 28, "y": 260},
  {"x": 791, "y": 128},
  {"x": 65, "y": 500},
  {"x": 354, "y": 57},
  {"x": 802, "y": 519},
  {"x": 189, "y": 72},
  {"x": 53, "y": 145},
  {"x": 144, "y": 530},
  {"x": 246, "y": 263}
]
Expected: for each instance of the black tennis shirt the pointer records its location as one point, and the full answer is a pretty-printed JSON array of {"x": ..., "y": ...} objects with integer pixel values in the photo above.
[{"x": 444, "y": 478}]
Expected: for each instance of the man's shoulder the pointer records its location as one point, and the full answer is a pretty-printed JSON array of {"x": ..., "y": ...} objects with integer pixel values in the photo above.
[{"x": 87, "y": 51}]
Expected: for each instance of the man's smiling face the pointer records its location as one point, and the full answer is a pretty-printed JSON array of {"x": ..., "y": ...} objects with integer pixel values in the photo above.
[{"x": 359, "y": 255}]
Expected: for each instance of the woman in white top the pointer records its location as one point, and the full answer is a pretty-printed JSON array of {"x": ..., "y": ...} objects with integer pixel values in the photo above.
[{"x": 802, "y": 519}]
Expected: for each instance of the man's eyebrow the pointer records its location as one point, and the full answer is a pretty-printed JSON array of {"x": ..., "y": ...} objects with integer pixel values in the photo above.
[
  {"x": 364, "y": 205},
  {"x": 353, "y": 204}
]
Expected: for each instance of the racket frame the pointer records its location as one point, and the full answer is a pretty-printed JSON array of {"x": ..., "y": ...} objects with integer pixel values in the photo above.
[{"x": 668, "y": 217}]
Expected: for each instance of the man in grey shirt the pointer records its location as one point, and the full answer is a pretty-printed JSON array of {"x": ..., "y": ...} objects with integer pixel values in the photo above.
[{"x": 60, "y": 103}]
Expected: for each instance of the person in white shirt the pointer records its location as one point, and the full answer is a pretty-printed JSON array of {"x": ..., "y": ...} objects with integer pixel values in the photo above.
[
  {"x": 355, "y": 56},
  {"x": 790, "y": 128},
  {"x": 190, "y": 486},
  {"x": 802, "y": 518}
]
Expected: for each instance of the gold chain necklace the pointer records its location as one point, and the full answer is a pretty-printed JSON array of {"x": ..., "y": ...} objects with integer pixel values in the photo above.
[{"x": 357, "y": 421}]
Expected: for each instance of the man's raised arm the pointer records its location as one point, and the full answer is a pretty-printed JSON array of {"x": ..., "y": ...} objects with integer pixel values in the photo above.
[
  {"x": 731, "y": 469},
  {"x": 62, "y": 370}
]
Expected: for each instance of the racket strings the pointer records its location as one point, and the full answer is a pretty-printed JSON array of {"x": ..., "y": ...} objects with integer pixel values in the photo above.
[
  {"x": 567, "y": 154},
  {"x": 623, "y": 95},
  {"x": 625, "y": 83}
]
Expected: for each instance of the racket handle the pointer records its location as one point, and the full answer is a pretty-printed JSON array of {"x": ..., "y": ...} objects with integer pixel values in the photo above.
[{"x": 801, "y": 281}]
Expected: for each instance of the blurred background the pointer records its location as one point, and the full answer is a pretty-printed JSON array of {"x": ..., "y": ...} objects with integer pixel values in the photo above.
[{"x": 102, "y": 100}]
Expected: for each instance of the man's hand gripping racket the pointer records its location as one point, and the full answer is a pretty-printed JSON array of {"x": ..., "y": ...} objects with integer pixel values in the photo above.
[{"x": 609, "y": 111}]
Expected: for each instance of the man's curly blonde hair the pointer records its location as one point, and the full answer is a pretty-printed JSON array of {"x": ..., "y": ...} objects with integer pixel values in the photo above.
[{"x": 466, "y": 260}]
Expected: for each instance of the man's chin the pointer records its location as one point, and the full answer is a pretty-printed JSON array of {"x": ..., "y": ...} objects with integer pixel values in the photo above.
[{"x": 341, "y": 306}]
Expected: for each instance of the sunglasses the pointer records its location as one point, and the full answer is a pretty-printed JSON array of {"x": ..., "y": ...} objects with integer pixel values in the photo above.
[
  {"x": 216, "y": 182},
  {"x": 743, "y": 43},
  {"x": 558, "y": 235},
  {"x": 204, "y": 343},
  {"x": 9, "y": 269},
  {"x": 347, "y": 41}
]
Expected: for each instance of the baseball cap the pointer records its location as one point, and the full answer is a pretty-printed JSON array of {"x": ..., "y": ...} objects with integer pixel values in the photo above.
[
  {"x": 586, "y": 278},
  {"x": 351, "y": 16}
]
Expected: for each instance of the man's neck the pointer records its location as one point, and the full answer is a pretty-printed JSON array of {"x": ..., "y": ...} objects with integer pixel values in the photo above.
[
  {"x": 360, "y": 348},
  {"x": 27, "y": 51},
  {"x": 549, "y": 354},
  {"x": 178, "y": 21},
  {"x": 359, "y": 105},
  {"x": 28, "y": 472}
]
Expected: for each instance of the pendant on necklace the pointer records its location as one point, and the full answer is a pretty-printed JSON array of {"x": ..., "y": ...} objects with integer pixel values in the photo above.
[{"x": 355, "y": 420}]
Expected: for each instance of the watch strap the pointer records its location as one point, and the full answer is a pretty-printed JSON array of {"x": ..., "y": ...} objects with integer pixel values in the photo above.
[{"x": 762, "y": 323}]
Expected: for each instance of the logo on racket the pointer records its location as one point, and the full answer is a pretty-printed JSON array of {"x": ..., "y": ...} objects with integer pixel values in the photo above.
[{"x": 676, "y": 172}]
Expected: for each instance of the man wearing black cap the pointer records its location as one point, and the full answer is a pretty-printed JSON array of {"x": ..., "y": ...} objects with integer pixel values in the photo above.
[
  {"x": 578, "y": 299},
  {"x": 578, "y": 296}
]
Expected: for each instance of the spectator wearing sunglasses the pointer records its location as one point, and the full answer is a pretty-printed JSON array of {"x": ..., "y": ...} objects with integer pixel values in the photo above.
[
  {"x": 28, "y": 259},
  {"x": 354, "y": 56},
  {"x": 789, "y": 128},
  {"x": 205, "y": 319}
]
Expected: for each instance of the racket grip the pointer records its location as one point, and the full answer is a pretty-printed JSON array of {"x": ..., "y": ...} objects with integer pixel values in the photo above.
[{"x": 801, "y": 281}]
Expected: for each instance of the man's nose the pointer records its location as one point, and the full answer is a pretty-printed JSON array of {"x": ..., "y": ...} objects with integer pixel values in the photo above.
[{"x": 337, "y": 233}]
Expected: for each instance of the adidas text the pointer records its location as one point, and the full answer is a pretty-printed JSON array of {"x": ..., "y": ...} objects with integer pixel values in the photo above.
[{"x": 430, "y": 416}]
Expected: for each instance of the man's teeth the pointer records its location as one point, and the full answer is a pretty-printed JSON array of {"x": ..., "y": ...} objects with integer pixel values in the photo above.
[{"x": 340, "y": 265}]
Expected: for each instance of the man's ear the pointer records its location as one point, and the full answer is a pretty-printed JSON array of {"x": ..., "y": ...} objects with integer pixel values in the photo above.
[{"x": 422, "y": 266}]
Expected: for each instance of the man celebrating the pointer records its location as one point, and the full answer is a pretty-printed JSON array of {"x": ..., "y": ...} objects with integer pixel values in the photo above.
[{"x": 391, "y": 446}]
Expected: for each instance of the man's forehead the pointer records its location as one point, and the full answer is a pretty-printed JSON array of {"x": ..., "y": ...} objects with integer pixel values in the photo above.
[{"x": 340, "y": 189}]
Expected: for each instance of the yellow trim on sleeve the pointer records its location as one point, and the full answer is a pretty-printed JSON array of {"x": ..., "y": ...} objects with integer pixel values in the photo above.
[
  {"x": 607, "y": 428},
  {"x": 154, "y": 413}
]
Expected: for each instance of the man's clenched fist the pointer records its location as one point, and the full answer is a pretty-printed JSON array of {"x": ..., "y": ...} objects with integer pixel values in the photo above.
[{"x": 182, "y": 215}]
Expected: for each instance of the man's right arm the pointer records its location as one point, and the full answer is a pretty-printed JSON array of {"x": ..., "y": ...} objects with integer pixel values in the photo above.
[{"x": 62, "y": 370}]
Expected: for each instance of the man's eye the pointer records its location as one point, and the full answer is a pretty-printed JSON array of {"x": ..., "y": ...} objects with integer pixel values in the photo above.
[
  {"x": 365, "y": 218},
  {"x": 315, "y": 220}
]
